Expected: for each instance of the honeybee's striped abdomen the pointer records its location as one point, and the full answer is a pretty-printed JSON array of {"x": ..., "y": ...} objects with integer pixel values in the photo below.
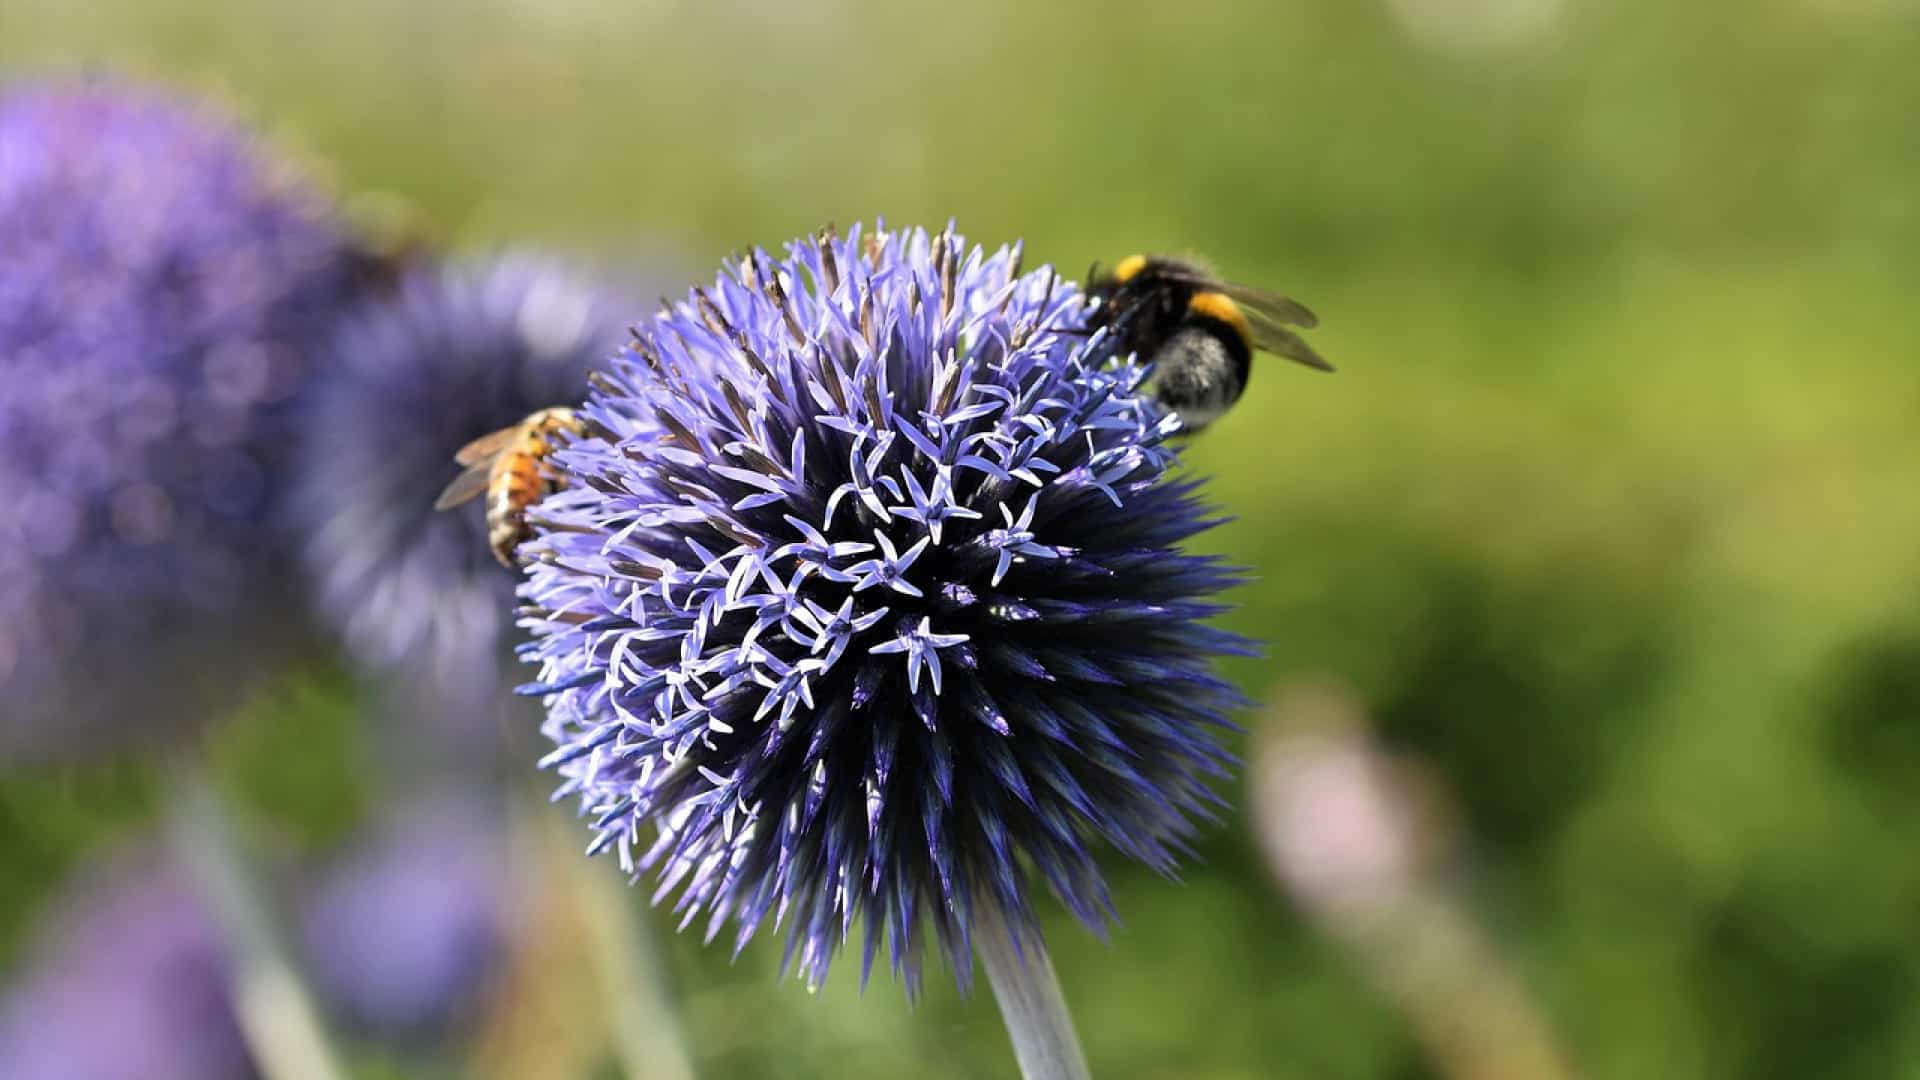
[{"x": 522, "y": 476}]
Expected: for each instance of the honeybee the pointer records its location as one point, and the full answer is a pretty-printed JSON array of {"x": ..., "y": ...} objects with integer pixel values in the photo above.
[
  {"x": 1198, "y": 331},
  {"x": 511, "y": 466}
]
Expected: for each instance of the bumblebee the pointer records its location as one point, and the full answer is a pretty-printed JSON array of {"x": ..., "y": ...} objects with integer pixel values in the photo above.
[
  {"x": 1198, "y": 331},
  {"x": 510, "y": 466}
]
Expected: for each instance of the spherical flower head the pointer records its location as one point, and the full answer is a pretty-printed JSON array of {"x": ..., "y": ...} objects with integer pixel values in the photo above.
[
  {"x": 865, "y": 597},
  {"x": 162, "y": 275},
  {"x": 457, "y": 351},
  {"x": 130, "y": 981},
  {"x": 405, "y": 933}
]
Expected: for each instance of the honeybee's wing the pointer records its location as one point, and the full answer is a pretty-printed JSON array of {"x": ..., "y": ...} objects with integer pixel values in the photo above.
[
  {"x": 468, "y": 485},
  {"x": 486, "y": 446}
]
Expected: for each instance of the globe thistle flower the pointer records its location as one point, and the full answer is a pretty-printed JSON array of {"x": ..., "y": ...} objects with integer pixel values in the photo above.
[
  {"x": 457, "y": 351},
  {"x": 865, "y": 598},
  {"x": 404, "y": 934},
  {"x": 130, "y": 980},
  {"x": 162, "y": 276}
]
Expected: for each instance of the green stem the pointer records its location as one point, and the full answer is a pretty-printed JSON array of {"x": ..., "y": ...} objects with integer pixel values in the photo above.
[
  {"x": 276, "y": 1016},
  {"x": 646, "y": 1034},
  {"x": 1028, "y": 991}
]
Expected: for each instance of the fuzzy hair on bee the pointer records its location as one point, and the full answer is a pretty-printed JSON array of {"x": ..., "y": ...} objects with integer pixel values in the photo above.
[{"x": 1198, "y": 332}]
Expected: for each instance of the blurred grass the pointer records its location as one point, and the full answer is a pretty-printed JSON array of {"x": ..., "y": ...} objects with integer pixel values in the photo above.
[{"x": 1609, "y": 510}]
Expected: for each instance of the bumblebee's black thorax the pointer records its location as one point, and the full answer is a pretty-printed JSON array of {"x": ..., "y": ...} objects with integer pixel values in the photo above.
[
  {"x": 1197, "y": 332},
  {"x": 1150, "y": 303}
]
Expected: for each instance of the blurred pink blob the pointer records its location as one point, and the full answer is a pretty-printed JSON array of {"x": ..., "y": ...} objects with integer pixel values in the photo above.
[
  {"x": 1343, "y": 824},
  {"x": 1360, "y": 837}
]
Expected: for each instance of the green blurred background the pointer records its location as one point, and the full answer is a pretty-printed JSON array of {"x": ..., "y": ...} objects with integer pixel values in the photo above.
[{"x": 1610, "y": 512}]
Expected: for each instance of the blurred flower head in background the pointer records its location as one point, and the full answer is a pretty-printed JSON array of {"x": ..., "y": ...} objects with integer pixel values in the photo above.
[
  {"x": 405, "y": 933},
  {"x": 1345, "y": 825},
  {"x": 458, "y": 351},
  {"x": 865, "y": 594},
  {"x": 128, "y": 979},
  {"x": 162, "y": 278},
  {"x": 1365, "y": 841}
]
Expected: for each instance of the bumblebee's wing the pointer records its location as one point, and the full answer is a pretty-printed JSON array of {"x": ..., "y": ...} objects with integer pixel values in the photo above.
[
  {"x": 468, "y": 485},
  {"x": 1283, "y": 342},
  {"x": 485, "y": 446},
  {"x": 1258, "y": 303},
  {"x": 1270, "y": 335},
  {"x": 1271, "y": 317},
  {"x": 1266, "y": 305}
]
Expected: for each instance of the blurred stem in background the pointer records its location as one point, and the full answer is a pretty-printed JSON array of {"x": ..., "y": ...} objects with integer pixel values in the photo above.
[
  {"x": 551, "y": 1024},
  {"x": 1357, "y": 838},
  {"x": 644, "y": 1024},
  {"x": 276, "y": 1013},
  {"x": 1028, "y": 992}
]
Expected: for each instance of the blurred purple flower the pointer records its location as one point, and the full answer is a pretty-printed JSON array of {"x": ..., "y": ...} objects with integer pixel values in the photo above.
[
  {"x": 404, "y": 934},
  {"x": 129, "y": 983},
  {"x": 161, "y": 278},
  {"x": 457, "y": 352},
  {"x": 865, "y": 597}
]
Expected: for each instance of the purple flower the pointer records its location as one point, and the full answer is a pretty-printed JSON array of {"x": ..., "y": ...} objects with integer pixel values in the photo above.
[
  {"x": 404, "y": 935},
  {"x": 130, "y": 982},
  {"x": 162, "y": 276},
  {"x": 457, "y": 352},
  {"x": 865, "y": 598}
]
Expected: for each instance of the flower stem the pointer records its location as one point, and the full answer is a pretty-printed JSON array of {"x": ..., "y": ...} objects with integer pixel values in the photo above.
[
  {"x": 641, "y": 1017},
  {"x": 1029, "y": 995},
  {"x": 277, "y": 1017}
]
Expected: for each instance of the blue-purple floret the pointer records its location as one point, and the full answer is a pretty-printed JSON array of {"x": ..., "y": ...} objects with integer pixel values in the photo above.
[
  {"x": 866, "y": 598},
  {"x": 160, "y": 278},
  {"x": 459, "y": 350},
  {"x": 128, "y": 978},
  {"x": 406, "y": 936}
]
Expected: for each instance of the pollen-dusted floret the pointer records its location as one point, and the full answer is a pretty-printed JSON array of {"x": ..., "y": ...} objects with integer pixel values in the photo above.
[
  {"x": 865, "y": 598},
  {"x": 459, "y": 350},
  {"x": 160, "y": 279}
]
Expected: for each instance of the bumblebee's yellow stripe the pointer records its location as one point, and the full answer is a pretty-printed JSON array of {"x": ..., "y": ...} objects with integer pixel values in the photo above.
[
  {"x": 1217, "y": 305},
  {"x": 1128, "y": 267}
]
